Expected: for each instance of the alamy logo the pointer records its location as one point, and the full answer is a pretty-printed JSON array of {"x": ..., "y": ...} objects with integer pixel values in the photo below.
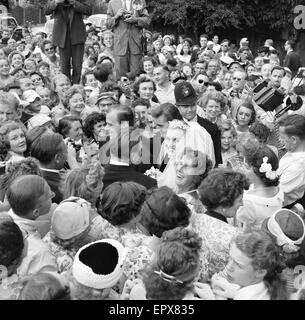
[
  {"x": 299, "y": 281},
  {"x": 299, "y": 21}
]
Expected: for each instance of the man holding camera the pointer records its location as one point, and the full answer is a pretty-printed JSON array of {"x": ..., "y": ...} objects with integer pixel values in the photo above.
[
  {"x": 127, "y": 18},
  {"x": 69, "y": 33}
]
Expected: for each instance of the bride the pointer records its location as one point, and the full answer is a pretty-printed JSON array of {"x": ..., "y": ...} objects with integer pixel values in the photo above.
[{"x": 181, "y": 135}]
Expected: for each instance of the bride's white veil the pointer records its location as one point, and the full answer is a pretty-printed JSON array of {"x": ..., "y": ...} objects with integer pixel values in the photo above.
[{"x": 196, "y": 138}]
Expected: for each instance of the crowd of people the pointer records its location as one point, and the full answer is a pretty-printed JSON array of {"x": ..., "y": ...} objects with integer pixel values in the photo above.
[{"x": 171, "y": 183}]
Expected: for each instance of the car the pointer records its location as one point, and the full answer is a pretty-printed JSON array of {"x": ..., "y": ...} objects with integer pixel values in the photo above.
[{"x": 98, "y": 20}]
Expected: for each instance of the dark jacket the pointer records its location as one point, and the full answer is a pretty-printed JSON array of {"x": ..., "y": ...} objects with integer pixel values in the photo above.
[
  {"x": 215, "y": 134},
  {"x": 293, "y": 62},
  {"x": 55, "y": 181},
  {"x": 127, "y": 35},
  {"x": 76, "y": 24},
  {"x": 114, "y": 173}
]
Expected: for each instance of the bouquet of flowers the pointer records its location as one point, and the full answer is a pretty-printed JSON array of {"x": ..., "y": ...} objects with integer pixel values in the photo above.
[{"x": 153, "y": 173}]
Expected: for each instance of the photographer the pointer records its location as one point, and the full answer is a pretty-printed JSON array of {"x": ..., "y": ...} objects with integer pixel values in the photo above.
[
  {"x": 69, "y": 33},
  {"x": 127, "y": 18}
]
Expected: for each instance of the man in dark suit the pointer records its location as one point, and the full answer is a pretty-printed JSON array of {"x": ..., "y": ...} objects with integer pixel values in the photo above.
[
  {"x": 127, "y": 18},
  {"x": 69, "y": 33},
  {"x": 292, "y": 59},
  {"x": 215, "y": 134},
  {"x": 123, "y": 158},
  {"x": 51, "y": 152},
  {"x": 186, "y": 104}
]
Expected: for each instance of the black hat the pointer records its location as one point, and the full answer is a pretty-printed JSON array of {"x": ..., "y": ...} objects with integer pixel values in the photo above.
[
  {"x": 185, "y": 94},
  {"x": 236, "y": 62}
]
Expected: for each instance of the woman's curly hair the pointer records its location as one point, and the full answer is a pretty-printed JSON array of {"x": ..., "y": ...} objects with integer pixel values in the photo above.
[
  {"x": 222, "y": 187},
  {"x": 120, "y": 202},
  {"x": 14, "y": 170},
  {"x": 75, "y": 89},
  {"x": 84, "y": 182},
  {"x": 5, "y": 129},
  {"x": 261, "y": 248},
  {"x": 163, "y": 210},
  {"x": 142, "y": 79},
  {"x": 91, "y": 120},
  {"x": 178, "y": 258}
]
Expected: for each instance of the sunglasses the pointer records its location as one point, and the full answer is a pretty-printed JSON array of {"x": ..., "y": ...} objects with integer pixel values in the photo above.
[
  {"x": 49, "y": 49},
  {"x": 236, "y": 79},
  {"x": 202, "y": 81}
]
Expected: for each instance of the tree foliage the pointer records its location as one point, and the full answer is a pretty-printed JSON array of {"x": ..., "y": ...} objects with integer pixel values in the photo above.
[{"x": 211, "y": 15}]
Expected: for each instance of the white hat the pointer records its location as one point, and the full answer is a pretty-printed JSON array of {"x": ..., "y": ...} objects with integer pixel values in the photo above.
[
  {"x": 38, "y": 120},
  {"x": 70, "y": 218},
  {"x": 226, "y": 60},
  {"x": 244, "y": 40},
  {"x": 30, "y": 95},
  {"x": 99, "y": 264},
  {"x": 167, "y": 36}
]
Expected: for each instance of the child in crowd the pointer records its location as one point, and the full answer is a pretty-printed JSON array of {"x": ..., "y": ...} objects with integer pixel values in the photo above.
[{"x": 228, "y": 136}]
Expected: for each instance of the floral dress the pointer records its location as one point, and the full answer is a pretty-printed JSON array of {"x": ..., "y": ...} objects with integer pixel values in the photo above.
[
  {"x": 216, "y": 238},
  {"x": 139, "y": 255},
  {"x": 64, "y": 257},
  {"x": 10, "y": 287}
]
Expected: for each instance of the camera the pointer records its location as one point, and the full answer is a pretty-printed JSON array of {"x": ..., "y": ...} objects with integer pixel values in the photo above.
[
  {"x": 126, "y": 14},
  {"x": 76, "y": 146}
]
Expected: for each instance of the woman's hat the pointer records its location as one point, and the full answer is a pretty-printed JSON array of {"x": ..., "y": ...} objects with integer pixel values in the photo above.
[
  {"x": 30, "y": 96},
  {"x": 288, "y": 228},
  {"x": 226, "y": 60},
  {"x": 236, "y": 62},
  {"x": 99, "y": 264},
  {"x": 70, "y": 218},
  {"x": 38, "y": 120},
  {"x": 167, "y": 36}
]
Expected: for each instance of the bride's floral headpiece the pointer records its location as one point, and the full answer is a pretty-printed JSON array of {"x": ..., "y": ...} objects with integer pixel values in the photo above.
[
  {"x": 267, "y": 169},
  {"x": 177, "y": 124}
]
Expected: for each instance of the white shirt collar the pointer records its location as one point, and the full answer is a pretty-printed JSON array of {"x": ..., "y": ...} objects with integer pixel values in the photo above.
[
  {"x": 26, "y": 224},
  {"x": 256, "y": 291},
  {"x": 193, "y": 120},
  {"x": 50, "y": 170}
]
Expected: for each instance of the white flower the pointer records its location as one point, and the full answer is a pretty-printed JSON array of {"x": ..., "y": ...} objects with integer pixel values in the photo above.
[
  {"x": 272, "y": 175},
  {"x": 265, "y": 167},
  {"x": 290, "y": 248}
]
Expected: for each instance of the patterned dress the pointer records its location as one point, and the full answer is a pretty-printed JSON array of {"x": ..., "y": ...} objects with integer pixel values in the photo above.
[{"x": 216, "y": 238}]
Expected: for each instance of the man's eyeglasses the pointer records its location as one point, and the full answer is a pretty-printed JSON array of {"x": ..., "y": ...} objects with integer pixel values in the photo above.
[
  {"x": 236, "y": 79},
  {"x": 49, "y": 49},
  {"x": 201, "y": 81}
]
